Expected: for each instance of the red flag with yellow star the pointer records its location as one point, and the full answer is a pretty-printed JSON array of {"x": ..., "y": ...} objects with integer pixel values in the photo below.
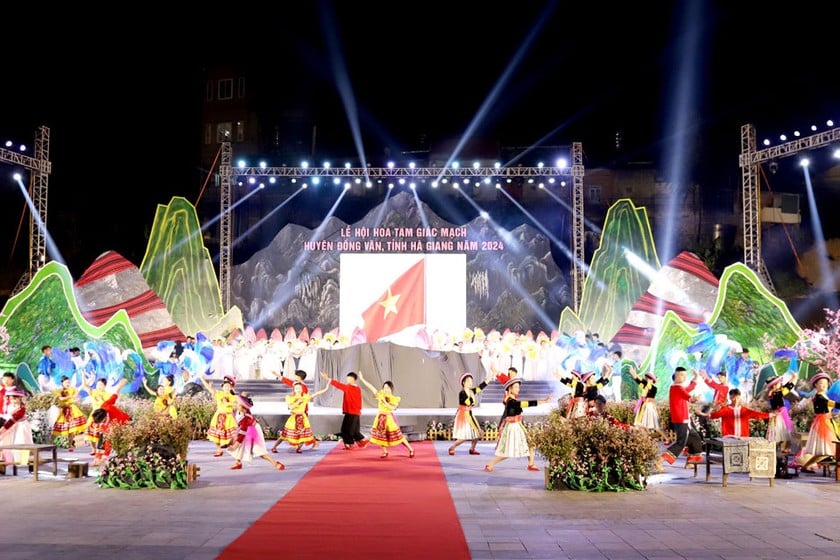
[{"x": 402, "y": 305}]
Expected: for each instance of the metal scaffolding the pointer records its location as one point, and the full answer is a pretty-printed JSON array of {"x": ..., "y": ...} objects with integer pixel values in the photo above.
[
  {"x": 750, "y": 160},
  {"x": 40, "y": 168},
  {"x": 371, "y": 174}
]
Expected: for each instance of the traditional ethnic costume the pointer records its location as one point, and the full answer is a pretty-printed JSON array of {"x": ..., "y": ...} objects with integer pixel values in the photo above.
[
  {"x": 71, "y": 420},
  {"x": 386, "y": 430},
  {"x": 735, "y": 420},
  {"x": 165, "y": 405},
  {"x": 298, "y": 430},
  {"x": 577, "y": 404},
  {"x": 249, "y": 436},
  {"x": 223, "y": 427},
  {"x": 513, "y": 438},
  {"x": 823, "y": 431},
  {"x": 17, "y": 428},
  {"x": 465, "y": 425},
  {"x": 780, "y": 427},
  {"x": 101, "y": 398},
  {"x": 647, "y": 414}
]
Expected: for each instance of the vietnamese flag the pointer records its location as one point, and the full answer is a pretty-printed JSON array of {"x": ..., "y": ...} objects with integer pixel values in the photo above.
[{"x": 402, "y": 305}]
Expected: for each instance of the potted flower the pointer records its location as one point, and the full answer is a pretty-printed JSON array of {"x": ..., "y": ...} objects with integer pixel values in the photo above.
[{"x": 594, "y": 454}]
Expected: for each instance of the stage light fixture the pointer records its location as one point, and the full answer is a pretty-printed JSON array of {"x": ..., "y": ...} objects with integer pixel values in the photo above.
[
  {"x": 272, "y": 180},
  {"x": 326, "y": 165},
  {"x": 346, "y": 186},
  {"x": 294, "y": 180},
  {"x": 562, "y": 163},
  {"x": 411, "y": 165},
  {"x": 829, "y": 122},
  {"x": 766, "y": 142},
  {"x": 540, "y": 164},
  {"x": 530, "y": 180},
  {"x": 498, "y": 186},
  {"x": 390, "y": 165},
  {"x": 368, "y": 184},
  {"x": 540, "y": 186},
  {"x": 336, "y": 181},
  {"x": 813, "y": 128},
  {"x": 837, "y": 153},
  {"x": 551, "y": 180},
  {"x": 562, "y": 183},
  {"x": 358, "y": 181},
  {"x": 466, "y": 181},
  {"x": 390, "y": 185},
  {"x": 455, "y": 165},
  {"x": 251, "y": 180},
  {"x": 347, "y": 165},
  {"x": 22, "y": 147},
  {"x": 241, "y": 163},
  {"x": 262, "y": 185},
  {"x": 804, "y": 162},
  {"x": 484, "y": 214},
  {"x": 497, "y": 165},
  {"x": 8, "y": 143},
  {"x": 401, "y": 181},
  {"x": 17, "y": 176},
  {"x": 434, "y": 184},
  {"x": 304, "y": 164},
  {"x": 412, "y": 186},
  {"x": 487, "y": 180},
  {"x": 262, "y": 165},
  {"x": 316, "y": 181},
  {"x": 476, "y": 165},
  {"x": 783, "y": 137}
]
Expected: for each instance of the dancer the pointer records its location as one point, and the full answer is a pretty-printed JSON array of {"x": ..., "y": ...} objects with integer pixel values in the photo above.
[
  {"x": 647, "y": 413},
  {"x": 823, "y": 432},
  {"x": 577, "y": 405},
  {"x": 14, "y": 427},
  {"x": 99, "y": 395},
  {"x": 466, "y": 426},
  {"x": 735, "y": 419},
  {"x": 164, "y": 404},
  {"x": 102, "y": 420},
  {"x": 351, "y": 406},
  {"x": 599, "y": 410},
  {"x": 297, "y": 429},
  {"x": 513, "y": 439},
  {"x": 720, "y": 387},
  {"x": 249, "y": 441},
  {"x": 678, "y": 400},
  {"x": 71, "y": 420},
  {"x": 385, "y": 431},
  {"x": 222, "y": 427},
  {"x": 592, "y": 386},
  {"x": 780, "y": 426}
]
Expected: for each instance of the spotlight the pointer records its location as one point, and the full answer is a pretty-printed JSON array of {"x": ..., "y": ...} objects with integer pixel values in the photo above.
[
  {"x": 774, "y": 167},
  {"x": 829, "y": 122},
  {"x": 837, "y": 153},
  {"x": 8, "y": 143},
  {"x": 17, "y": 176},
  {"x": 804, "y": 162},
  {"x": 262, "y": 165},
  {"x": 241, "y": 163}
]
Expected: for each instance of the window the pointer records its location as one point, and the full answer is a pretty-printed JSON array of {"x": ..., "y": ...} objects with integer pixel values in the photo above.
[
  {"x": 240, "y": 87},
  {"x": 223, "y": 131},
  {"x": 593, "y": 194},
  {"x": 240, "y": 131},
  {"x": 208, "y": 133},
  {"x": 225, "y": 89},
  {"x": 209, "y": 93}
]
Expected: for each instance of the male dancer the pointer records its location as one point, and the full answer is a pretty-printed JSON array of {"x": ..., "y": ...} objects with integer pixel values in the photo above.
[
  {"x": 678, "y": 400},
  {"x": 351, "y": 406}
]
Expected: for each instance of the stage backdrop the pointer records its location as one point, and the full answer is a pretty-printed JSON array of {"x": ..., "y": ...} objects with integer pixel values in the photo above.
[
  {"x": 497, "y": 279},
  {"x": 424, "y": 379}
]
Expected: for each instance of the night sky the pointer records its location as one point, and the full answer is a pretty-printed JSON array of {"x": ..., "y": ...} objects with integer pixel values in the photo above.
[{"x": 122, "y": 99}]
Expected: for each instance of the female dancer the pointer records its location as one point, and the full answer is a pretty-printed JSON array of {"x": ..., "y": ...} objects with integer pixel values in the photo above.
[
  {"x": 513, "y": 439},
  {"x": 577, "y": 405},
  {"x": 386, "y": 431},
  {"x": 222, "y": 427},
  {"x": 823, "y": 432},
  {"x": 297, "y": 430},
  {"x": 98, "y": 395},
  {"x": 71, "y": 420},
  {"x": 780, "y": 426},
  {"x": 15, "y": 428},
  {"x": 466, "y": 426},
  {"x": 249, "y": 441},
  {"x": 164, "y": 398},
  {"x": 647, "y": 414}
]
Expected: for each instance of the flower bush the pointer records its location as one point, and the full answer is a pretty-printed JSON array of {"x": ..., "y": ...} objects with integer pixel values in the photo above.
[
  {"x": 591, "y": 454},
  {"x": 154, "y": 466}
]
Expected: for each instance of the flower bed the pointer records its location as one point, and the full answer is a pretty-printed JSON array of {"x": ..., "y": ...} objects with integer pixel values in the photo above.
[
  {"x": 592, "y": 454},
  {"x": 155, "y": 466}
]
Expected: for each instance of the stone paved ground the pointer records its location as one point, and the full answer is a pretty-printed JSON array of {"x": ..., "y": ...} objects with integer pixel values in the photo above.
[{"x": 506, "y": 514}]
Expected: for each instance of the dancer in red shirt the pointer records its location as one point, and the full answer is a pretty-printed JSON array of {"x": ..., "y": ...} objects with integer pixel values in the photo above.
[
  {"x": 678, "y": 400},
  {"x": 351, "y": 406},
  {"x": 735, "y": 419}
]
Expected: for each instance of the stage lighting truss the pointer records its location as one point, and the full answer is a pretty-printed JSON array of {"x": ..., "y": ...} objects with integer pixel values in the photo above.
[
  {"x": 40, "y": 168},
  {"x": 390, "y": 174},
  {"x": 750, "y": 160}
]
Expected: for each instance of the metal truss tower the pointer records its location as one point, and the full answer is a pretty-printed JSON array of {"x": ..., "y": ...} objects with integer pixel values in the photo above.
[
  {"x": 40, "y": 168},
  {"x": 749, "y": 161},
  {"x": 225, "y": 225},
  {"x": 370, "y": 174}
]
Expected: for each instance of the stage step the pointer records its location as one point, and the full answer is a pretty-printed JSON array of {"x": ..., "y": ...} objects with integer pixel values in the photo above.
[
  {"x": 267, "y": 389},
  {"x": 528, "y": 391}
]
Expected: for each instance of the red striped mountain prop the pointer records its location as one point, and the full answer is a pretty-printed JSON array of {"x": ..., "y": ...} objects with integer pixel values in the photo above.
[
  {"x": 112, "y": 283},
  {"x": 685, "y": 286}
]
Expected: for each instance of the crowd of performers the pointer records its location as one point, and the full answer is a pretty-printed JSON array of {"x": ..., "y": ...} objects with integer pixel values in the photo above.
[{"x": 586, "y": 371}]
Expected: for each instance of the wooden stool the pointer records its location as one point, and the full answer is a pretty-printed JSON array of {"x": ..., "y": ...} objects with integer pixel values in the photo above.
[{"x": 77, "y": 469}]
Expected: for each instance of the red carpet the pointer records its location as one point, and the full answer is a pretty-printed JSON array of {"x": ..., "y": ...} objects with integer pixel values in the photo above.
[{"x": 354, "y": 505}]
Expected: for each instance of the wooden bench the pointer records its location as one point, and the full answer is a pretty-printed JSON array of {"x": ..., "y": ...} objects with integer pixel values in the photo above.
[
  {"x": 35, "y": 450},
  {"x": 76, "y": 467}
]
